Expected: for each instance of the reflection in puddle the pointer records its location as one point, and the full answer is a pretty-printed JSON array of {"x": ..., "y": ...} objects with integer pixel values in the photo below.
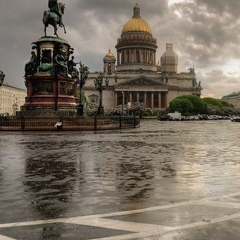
[{"x": 52, "y": 175}]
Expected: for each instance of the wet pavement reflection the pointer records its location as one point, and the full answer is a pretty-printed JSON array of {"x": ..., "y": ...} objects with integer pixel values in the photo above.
[{"x": 52, "y": 175}]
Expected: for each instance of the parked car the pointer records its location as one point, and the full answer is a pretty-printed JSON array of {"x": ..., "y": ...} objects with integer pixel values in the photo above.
[{"x": 176, "y": 116}]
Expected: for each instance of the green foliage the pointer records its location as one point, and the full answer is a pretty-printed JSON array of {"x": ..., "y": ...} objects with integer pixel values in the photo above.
[
  {"x": 148, "y": 112},
  {"x": 206, "y": 105},
  {"x": 219, "y": 107},
  {"x": 91, "y": 109},
  {"x": 83, "y": 98},
  {"x": 155, "y": 112},
  {"x": 214, "y": 102},
  {"x": 112, "y": 112},
  {"x": 199, "y": 106},
  {"x": 184, "y": 106}
]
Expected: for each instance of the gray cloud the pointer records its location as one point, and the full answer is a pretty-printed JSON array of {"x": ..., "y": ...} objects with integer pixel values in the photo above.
[{"x": 204, "y": 34}]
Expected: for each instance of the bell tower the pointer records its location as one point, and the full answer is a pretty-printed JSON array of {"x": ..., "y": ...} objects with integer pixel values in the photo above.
[
  {"x": 169, "y": 60},
  {"x": 109, "y": 63}
]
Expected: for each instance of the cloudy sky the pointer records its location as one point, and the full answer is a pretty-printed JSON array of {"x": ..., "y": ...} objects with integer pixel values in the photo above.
[{"x": 204, "y": 33}]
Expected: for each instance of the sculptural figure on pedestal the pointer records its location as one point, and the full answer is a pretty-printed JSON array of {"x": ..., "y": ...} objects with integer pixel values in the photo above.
[
  {"x": 31, "y": 66},
  {"x": 60, "y": 63},
  {"x": 72, "y": 68},
  {"x": 53, "y": 16}
]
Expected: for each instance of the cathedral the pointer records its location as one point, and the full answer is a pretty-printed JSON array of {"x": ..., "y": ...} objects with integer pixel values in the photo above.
[{"x": 134, "y": 76}]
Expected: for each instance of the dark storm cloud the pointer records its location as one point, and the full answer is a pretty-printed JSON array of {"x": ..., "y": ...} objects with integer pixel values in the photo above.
[
  {"x": 210, "y": 39},
  {"x": 204, "y": 33},
  {"x": 221, "y": 6},
  {"x": 211, "y": 34}
]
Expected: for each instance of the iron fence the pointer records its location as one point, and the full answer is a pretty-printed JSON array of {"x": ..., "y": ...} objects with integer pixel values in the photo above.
[{"x": 68, "y": 123}]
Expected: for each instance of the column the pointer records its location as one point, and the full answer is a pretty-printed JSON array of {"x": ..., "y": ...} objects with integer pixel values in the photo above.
[
  {"x": 125, "y": 56},
  {"x": 118, "y": 58},
  {"x": 116, "y": 99},
  {"x": 166, "y": 100},
  {"x": 159, "y": 100},
  {"x": 130, "y": 97},
  {"x": 152, "y": 100},
  {"x": 145, "y": 98},
  {"x": 141, "y": 55},
  {"x": 138, "y": 97},
  {"x": 122, "y": 57}
]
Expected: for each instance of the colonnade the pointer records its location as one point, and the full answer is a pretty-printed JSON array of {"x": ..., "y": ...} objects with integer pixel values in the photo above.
[
  {"x": 145, "y": 56},
  {"x": 151, "y": 99}
]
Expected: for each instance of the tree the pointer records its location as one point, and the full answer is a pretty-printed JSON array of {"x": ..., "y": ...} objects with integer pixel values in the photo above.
[
  {"x": 184, "y": 106},
  {"x": 213, "y": 101},
  {"x": 219, "y": 107},
  {"x": 199, "y": 106}
]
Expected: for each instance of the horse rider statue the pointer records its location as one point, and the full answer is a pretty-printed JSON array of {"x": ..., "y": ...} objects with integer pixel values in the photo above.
[
  {"x": 53, "y": 6},
  {"x": 54, "y": 15}
]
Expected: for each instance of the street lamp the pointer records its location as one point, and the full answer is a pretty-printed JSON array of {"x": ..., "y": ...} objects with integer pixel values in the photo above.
[
  {"x": 83, "y": 72},
  {"x": 122, "y": 101},
  {"x": 15, "y": 105},
  {"x": 100, "y": 87},
  {"x": 2, "y": 76}
]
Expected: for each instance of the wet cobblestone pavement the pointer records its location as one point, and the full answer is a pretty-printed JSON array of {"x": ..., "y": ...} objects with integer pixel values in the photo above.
[{"x": 164, "y": 180}]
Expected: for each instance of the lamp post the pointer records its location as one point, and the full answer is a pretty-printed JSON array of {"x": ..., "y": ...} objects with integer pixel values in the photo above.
[
  {"x": 122, "y": 102},
  {"x": 15, "y": 105},
  {"x": 2, "y": 76},
  {"x": 99, "y": 85},
  {"x": 83, "y": 75}
]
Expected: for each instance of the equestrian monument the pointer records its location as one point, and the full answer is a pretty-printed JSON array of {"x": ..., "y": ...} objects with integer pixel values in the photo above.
[{"x": 51, "y": 75}]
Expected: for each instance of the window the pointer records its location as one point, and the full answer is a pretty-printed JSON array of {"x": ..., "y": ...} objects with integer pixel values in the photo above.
[{"x": 46, "y": 56}]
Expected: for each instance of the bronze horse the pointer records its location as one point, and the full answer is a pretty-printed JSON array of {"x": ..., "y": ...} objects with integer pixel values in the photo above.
[{"x": 54, "y": 19}]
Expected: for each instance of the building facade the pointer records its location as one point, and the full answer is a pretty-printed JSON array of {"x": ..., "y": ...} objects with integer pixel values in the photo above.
[
  {"x": 11, "y": 99},
  {"x": 233, "y": 99},
  {"x": 134, "y": 77}
]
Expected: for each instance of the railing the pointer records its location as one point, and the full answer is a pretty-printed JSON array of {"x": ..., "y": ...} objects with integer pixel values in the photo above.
[{"x": 68, "y": 123}]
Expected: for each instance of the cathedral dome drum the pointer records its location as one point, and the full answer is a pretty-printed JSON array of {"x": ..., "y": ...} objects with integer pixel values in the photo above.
[{"x": 136, "y": 48}]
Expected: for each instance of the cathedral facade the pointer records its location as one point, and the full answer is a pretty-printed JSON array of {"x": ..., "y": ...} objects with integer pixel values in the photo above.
[{"x": 133, "y": 76}]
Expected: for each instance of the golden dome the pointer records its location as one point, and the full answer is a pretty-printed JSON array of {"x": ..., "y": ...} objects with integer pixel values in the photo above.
[
  {"x": 109, "y": 54},
  {"x": 136, "y": 24},
  {"x": 109, "y": 57}
]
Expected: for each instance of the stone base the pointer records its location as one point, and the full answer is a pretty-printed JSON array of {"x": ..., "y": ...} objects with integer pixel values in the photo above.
[{"x": 47, "y": 112}]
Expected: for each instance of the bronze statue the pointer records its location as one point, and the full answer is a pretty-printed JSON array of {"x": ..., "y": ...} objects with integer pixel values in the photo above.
[
  {"x": 53, "y": 16},
  {"x": 55, "y": 7},
  {"x": 60, "y": 63},
  {"x": 1, "y": 78},
  {"x": 31, "y": 66},
  {"x": 72, "y": 68}
]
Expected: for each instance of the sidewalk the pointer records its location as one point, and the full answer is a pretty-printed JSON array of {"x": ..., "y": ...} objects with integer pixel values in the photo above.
[{"x": 213, "y": 218}]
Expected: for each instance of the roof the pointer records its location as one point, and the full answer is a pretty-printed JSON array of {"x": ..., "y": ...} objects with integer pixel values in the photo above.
[{"x": 136, "y": 24}]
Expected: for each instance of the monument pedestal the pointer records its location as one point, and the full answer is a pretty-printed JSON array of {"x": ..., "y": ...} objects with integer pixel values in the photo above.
[{"x": 51, "y": 86}]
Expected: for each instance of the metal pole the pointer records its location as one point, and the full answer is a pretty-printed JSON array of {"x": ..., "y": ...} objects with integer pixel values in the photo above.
[
  {"x": 122, "y": 101},
  {"x": 56, "y": 98},
  {"x": 83, "y": 71}
]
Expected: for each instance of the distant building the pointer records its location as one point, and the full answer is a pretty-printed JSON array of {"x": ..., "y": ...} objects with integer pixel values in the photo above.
[
  {"x": 233, "y": 98},
  {"x": 11, "y": 99},
  {"x": 134, "y": 76}
]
